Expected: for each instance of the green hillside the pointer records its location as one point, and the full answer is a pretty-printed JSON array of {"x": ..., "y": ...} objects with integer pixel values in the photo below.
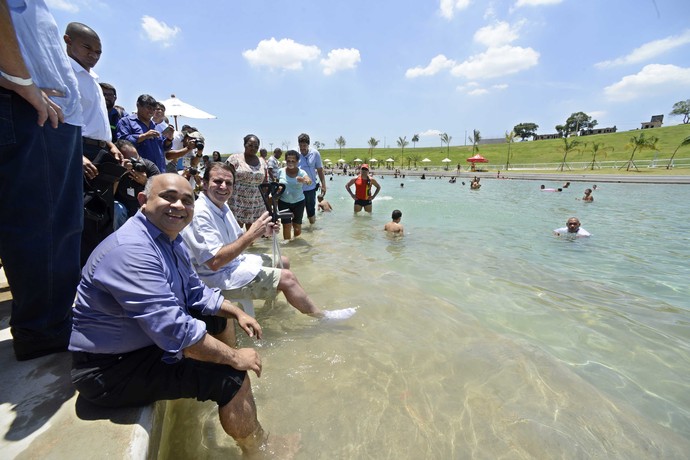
[{"x": 613, "y": 147}]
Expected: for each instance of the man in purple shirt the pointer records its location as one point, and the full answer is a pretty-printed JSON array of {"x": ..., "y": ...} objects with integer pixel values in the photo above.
[
  {"x": 145, "y": 328},
  {"x": 140, "y": 130}
]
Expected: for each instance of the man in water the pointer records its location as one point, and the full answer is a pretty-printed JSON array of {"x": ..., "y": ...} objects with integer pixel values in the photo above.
[
  {"x": 363, "y": 196},
  {"x": 572, "y": 228},
  {"x": 147, "y": 329},
  {"x": 394, "y": 227},
  {"x": 217, "y": 242}
]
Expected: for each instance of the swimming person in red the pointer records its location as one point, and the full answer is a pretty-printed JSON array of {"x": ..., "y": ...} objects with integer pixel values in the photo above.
[{"x": 362, "y": 195}]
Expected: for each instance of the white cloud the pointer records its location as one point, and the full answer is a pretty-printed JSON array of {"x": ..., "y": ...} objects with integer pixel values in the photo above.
[
  {"x": 478, "y": 92},
  {"x": 651, "y": 77},
  {"x": 437, "y": 64},
  {"x": 448, "y": 7},
  {"x": 340, "y": 59},
  {"x": 63, "y": 5},
  {"x": 536, "y": 2},
  {"x": 496, "y": 62},
  {"x": 430, "y": 132},
  {"x": 498, "y": 34},
  {"x": 158, "y": 31},
  {"x": 502, "y": 86},
  {"x": 283, "y": 54},
  {"x": 649, "y": 50}
]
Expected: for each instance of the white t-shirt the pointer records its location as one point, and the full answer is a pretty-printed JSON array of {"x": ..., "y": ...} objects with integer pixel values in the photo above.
[{"x": 580, "y": 232}]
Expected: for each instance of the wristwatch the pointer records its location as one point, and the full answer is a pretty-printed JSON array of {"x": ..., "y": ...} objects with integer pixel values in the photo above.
[{"x": 17, "y": 80}]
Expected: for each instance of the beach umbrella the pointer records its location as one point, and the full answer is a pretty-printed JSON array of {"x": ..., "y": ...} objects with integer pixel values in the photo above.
[
  {"x": 175, "y": 107},
  {"x": 374, "y": 160},
  {"x": 390, "y": 160},
  {"x": 327, "y": 161},
  {"x": 477, "y": 159},
  {"x": 426, "y": 160},
  {"x": 341, "y": 160},
  {"x": 446, "y": 160},
  {"x": 357, "y": 160}
]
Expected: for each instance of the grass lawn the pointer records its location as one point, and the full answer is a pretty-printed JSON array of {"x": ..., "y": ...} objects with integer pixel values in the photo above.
[{"x": 613, "y": 147}]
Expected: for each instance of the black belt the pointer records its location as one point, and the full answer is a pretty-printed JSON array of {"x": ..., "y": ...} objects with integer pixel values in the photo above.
[{"x": 97, "y": 143}]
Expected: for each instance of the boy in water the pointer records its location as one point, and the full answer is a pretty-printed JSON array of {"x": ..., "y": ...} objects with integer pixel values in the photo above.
[
  {"x": 394, "y": 227},
  {"x": 324, "y": 206}
]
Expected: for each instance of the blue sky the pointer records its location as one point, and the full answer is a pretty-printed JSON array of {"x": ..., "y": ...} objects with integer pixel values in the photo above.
[{"x": 387, "y": 69}]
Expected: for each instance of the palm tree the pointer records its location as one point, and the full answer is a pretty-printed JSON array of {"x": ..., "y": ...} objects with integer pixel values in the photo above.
[
  {"x": 597, "y": 148},
  {"x": 639, "y": 143},
  {"x": 372, "y": 145},
  {"x": 402, "y": 143},
  {"x": 340, "y": 142},
  {"x": 415, "y": 139},
  {"x": 445, "y": 139},
  {"x": 568, "y": 146},
  {"x": 412, "y": 158},
  {"x": 685, "y": 142},
  {"x": 286, "y": 145},
  {"x": 510, "y": 136},
  {"x": 475, "y": 138}
]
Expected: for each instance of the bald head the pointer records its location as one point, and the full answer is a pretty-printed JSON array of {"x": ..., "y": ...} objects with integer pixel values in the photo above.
[
  {"x": 83, "y": 44},
  {"x": 168, "y": 203}
]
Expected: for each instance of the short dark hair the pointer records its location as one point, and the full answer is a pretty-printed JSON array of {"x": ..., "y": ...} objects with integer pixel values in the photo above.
[
  {"x": 215, "y": 165},
  {"x": 303, "y": 138},
  {"x": 124, "y": 142},
  {"x": 292, "y": 153},
  {"x": 160, "y": 104},
  {"x": 397, "y": 214},
  {"x": 249, "y": 136},
  {"x": 108, "y": 86},
  {"x": 146, "y": 99}
]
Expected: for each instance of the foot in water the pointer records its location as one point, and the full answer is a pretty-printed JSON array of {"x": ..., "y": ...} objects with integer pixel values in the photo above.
[{"x": 336, "y": 315}]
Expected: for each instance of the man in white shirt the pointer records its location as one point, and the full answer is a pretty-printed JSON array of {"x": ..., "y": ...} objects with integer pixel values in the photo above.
[
  {"x": 216, "y": 243},
  {"x": 84, "y": 51}
]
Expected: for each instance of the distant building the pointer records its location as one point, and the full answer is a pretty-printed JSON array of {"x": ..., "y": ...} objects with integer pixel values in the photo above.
[
  {"x": 655, "y": 122},
  {"x": 543, "y": 137},
  {"x": 589, "y": 132},
  {"x": 496, "y": 140}
]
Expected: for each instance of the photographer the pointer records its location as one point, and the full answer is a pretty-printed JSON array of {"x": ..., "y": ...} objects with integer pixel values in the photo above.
[
  {"x": 131, "y": 183},
  {"x": 187, "y": 145}
]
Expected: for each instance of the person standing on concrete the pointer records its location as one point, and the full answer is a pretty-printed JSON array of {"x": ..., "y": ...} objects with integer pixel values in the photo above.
[{"x": 40, "y": 145}]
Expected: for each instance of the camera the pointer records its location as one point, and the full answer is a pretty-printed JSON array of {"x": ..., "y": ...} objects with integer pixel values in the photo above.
[
  {"x": 199, "y": 145},
  {"x": 193, "y": 171},
  {"x": 137, "y": 165}
]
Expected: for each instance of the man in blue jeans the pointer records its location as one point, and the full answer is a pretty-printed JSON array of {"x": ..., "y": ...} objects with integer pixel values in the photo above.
[
  {"x": 310, "y": 161},
  {"x": 40, "y": 145}
]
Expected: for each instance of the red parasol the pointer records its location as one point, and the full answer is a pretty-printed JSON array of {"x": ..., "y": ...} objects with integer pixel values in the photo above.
[{"x": 477, "y": 159}]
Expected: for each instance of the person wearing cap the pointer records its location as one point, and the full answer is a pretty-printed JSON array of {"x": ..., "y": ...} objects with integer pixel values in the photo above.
[
  {"x": 363, "y": 183},
  {"x": 188, "y": 146},
  {"x": 139, "y": 129}
]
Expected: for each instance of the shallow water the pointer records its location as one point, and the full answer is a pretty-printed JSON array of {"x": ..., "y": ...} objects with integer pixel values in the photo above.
[{"x": 478, "y": 334}]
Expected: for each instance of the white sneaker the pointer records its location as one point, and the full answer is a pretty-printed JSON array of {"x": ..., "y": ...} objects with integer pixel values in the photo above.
[{"x": 336, "y": 315}]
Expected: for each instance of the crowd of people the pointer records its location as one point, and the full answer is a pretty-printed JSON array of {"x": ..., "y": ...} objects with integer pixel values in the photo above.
[
  {"x": 143, "y": 229},
  {"x": 160, "y": 325}
]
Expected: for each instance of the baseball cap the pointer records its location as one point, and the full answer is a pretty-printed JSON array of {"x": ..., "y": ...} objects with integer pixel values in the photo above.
[{"x": 365, "y": 166}]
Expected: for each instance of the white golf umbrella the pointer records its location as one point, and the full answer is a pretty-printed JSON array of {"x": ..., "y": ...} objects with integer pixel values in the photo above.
[
  {"x": 175, "y": 107},
  {"x": 426, "y": 160}
]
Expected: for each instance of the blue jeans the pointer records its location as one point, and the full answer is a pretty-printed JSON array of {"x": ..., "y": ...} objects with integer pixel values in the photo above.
[{"x": 40, "y": 225}]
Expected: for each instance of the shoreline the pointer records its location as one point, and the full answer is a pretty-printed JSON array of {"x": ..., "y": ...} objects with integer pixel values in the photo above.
[{"x": 631, "y": 178}]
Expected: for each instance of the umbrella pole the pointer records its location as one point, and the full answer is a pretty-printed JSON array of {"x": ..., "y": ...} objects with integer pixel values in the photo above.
[{"x": 175, "y": 117}]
